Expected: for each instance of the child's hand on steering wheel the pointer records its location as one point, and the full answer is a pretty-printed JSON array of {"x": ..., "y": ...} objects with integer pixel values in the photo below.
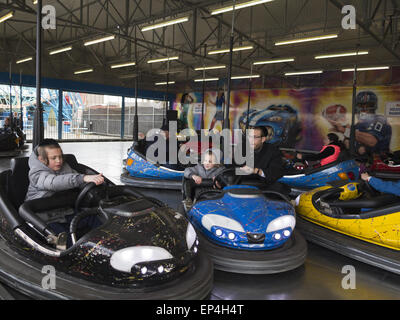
[
  {"x": 98, "y": 179},
  {"x": 197, "y": 179}
]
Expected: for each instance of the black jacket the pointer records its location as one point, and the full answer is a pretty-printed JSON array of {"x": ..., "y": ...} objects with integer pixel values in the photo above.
[{"x": 269, "y": 159}]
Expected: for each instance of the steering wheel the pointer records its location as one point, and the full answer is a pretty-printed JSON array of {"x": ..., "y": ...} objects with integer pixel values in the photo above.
[
  {"x": 78, "y": 216},
  {"x": 221, "y": 178},
  {"x": 365, "y": 185}
]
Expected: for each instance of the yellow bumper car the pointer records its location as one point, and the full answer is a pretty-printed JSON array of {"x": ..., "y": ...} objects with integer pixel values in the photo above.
[{"x": 355, "y": 220}]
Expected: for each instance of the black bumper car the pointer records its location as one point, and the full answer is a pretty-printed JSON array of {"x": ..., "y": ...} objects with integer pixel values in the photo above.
[
  {"x": 142, "y": 249},
  {"x": 12, "y": 142}
]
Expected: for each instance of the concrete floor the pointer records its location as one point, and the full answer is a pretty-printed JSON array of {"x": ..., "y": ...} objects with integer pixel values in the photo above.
[{"x": 319, "y": 278}]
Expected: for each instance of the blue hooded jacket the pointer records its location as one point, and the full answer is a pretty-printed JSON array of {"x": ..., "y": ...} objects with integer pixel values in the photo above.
[{"x": 392, "y": 187}]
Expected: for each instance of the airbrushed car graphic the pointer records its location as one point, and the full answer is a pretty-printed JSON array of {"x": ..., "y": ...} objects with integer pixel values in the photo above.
[
  {"x": 281, "y": 121},
  {"x": 245, "y": 229},
  {"x": 141, "y": 249}
]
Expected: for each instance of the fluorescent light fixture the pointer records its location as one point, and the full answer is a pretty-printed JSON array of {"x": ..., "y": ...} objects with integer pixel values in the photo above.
[
  {"x": 206, "y": 79},
  {"x": 239, "y": 6},
  {"x": 122, "y": 65},
  {"x": 163, "y": 59},
  {"x": 24, "y": 60},
  {"x": 89, "y": 43},
  {"x": 274, "y": 61},
  {"x": 245, "y": 77},
  {"x": 171, "y": 71},
  {"x": 128, "y": 76},
  {"x": 367, "y": 69},
  {"x": 328, "y": 36},
  {"x": 210, "y": 68},
  {"x": 83, "y": 71},
  {"x": 345, "y": 54},
  {"x": 227, "y": 50},
  {"x": 7, "y": 16},
  {"x": 303, "y": 72},
  {"x": 60, "y": 50},
  {"x": 165, "y": 23},
  {"x": 35, "y": 1},
  {"x": 164, "y": 83}
]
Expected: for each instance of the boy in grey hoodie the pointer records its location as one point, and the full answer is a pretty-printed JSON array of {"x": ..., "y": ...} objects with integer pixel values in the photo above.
[
  {"x": 209, "y": 169},
  {"x": 49, "y": 174}
]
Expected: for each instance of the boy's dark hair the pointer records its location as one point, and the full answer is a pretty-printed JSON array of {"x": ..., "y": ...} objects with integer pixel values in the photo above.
[{"x": 41, "y": 148}]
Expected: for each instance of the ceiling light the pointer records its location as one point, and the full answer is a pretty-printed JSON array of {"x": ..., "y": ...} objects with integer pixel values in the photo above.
[
  {"x": 128, "y": 76},
  {"x": 171, "y": 71},
  {"x": 83, "y": 71},
  {"x": 210, "y": 68},
  {"x": 206, "y": 79},
  {"x": 239, "y": 6},
  {"x": 163, "y": 59},
  {"x": 302, "y": 72},
  {"x": 329, "y": 36},
  {"x": 89, "y": 43},
  {"x": 245, "y": 77},
  {"x": 24, "y": 60},
  {"x": 227, "y": 50},
  {"x": 121, "y": 65},
  {"x": 338, "y": 55},
  {"x": 60, "y": 50},
  {"x": 7, "y": 16},
  {"x": 366, "y": 69},
  {"x": 165, "y": 23},
  {"x": 274, "y": 61},
  {"x": 164, "y": 83}
]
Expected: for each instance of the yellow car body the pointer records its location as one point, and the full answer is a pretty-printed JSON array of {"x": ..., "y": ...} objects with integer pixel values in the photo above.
[{"x": 382, "y": 230}]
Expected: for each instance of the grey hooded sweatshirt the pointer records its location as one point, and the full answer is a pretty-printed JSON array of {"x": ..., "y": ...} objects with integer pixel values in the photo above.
[
  {"x": 200, "y": 171},
  {"x": 44, "y": 182}
]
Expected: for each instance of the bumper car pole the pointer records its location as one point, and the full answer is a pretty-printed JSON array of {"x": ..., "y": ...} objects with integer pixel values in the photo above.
[
  {"x": 249, "y": 97},
  {"x": 38, "y": 131},
  {"x": 226, "y": 115},
  {"x": 353, "y": 112},
  {"x": 136, "y": 118}
]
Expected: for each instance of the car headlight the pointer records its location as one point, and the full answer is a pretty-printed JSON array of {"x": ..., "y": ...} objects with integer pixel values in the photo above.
[
  {"x": 124, "y": 259},
  {"x": 190, "y": 236},
  {"x": 297, "y": 201},
  {"x": 282, "y": 222},
  {"x": 210, "y": 220}
]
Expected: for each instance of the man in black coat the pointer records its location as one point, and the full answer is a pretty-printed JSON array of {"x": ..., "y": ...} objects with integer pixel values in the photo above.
[{"x": 268, "y": 164}]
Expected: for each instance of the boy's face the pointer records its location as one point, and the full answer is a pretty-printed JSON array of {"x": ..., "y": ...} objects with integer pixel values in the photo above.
[
  {"x": 209, "y": 161},
  {"x": 55, "y": 158}
]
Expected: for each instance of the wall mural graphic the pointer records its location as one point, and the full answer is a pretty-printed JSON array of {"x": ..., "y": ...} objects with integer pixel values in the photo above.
[{"x": 302, "y": 117}]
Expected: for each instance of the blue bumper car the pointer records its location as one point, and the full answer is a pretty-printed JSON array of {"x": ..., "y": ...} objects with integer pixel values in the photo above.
[
  {"x": 314, "y": 177},
  {"x": 245, "y": 228},
  {"x": 141, "y": 172}
]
